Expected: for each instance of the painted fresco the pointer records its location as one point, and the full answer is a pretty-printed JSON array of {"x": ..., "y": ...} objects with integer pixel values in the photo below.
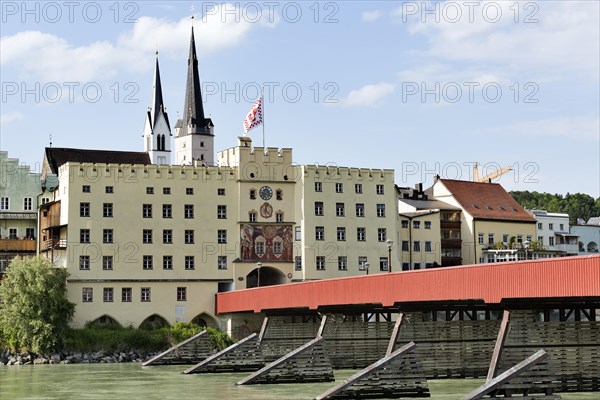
[{"x": 266, "y": 242}]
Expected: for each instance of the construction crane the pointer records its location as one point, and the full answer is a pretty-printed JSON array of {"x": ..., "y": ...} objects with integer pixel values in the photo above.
[{"x": 489, "y": 177}]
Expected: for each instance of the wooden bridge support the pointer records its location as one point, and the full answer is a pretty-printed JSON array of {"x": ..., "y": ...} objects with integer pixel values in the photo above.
[
  {"x": 281, "y": 335},
  {"x": 529, "y": 379},
  {"x": 308, "y": 363},
  {"x": 244, "y": 355},
  {"x": 398, "y": 374},
  {"x": 190, "y": 351},
  {"x": 573, "y": 347}
]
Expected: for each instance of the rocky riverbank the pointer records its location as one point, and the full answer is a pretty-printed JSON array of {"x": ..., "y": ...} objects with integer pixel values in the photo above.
[{"x": 99, "y": 357}]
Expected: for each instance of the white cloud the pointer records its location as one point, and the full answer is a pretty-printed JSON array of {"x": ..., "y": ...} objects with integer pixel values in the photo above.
[
  {"x": 566, "y": 36},
  {"x": 10, "y": 117},
  {"x": 42, "y": 56},
  {"x": 579, "y": 127},
  {"x": 371, "y": 16},
  {"x": 369, "y": 95}
]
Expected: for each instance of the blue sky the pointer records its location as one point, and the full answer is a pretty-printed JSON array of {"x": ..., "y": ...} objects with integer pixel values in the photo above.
[{"x": 421, "y": 87}]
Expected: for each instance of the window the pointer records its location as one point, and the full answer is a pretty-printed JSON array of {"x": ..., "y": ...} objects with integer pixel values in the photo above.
[
  {"x": 167, "y": 211},
  {"x": 277, "y": 248},
  {"x": 222, "y": 262},
  {"x": 147, "y": 210},
  {"x": 107, "y": 236},
  {"x": 188, "y": 236},
  {"x": 379, "y": 189},
  {"x": 4, "y": 203},
  {"x": 107, "y": 263},
  {"x": 279, "y": 194},
  {"x": 541, "y": 240},
  {"x": 30, "y": 233},
  {"x": 480, "y": 238},
  {"x": 362, "y": 263},
  {"x": 361, "y": 234},
  {"x": 381, "y": 210},
  {"x": 147, "y": 262},
  {"x": 252, "y": 194},
  {"x": 339, "y": 209},
  {"x": 342, "y": 263},
  {"x": 166, "y": 190},
  {"x": 416, "y": 224},
  {"x": 221, "y": 212},
  {"x": 188, "y": 211},
  {"x": 320, "y": 263},
  {"x": 189, "y": 191},
  {"x": 222, "y": 236},
  {"x": 540, "y": 226},
  {"x": 259, "y": 248},
  {"x": 319, "y": 233},
  {"x": 529, "y": 238},
  {"x": 341, "y": 234},
  {"x": 107, "y": 210},
  {"x": 109, "y": 189},
  {"x": 519, "y": 238},
  {"x": 339, "y": 187},
  {"x": 107, "y": 295},
  {"x": 84, "y": 262},
  {"x": 562, "y": 227},
  {"x": 87, "y": 294},
  {"x": 491, "y": 239},
  {"x": 126, "y": 295},
  {"x": 181, "y": 294},
  {"x": 189, "y": 262},
  {"x": 551, "y": 241},
  {"x": 405, "y": 224},
  {"x": 360, "y": 210},
  {"x": 405, "y": 266},
  {"x": 45, "y": 200},
  {"x": 221, "y": 192},
  {"x": 551, "y": 226},
  {"x": 427, "y": 246},
  {"x": 383, "y": 263},
  {"x": 84, "y": 209},
  {"x": 298, "y": 263},
  {"x": 298, "y": 233},
  {"x": 427, "y": 224},
  {"x": 279, "y": 216},
  {"x": 381, "y": 234},
  {"x": 147, "y": 236},
  {"x": 505, "y": 238},
  {"x": 149, "y": 190},
  {"x": 28, "y": 204},
  {"x": 252, "y": 216},
  {"x": 417, "y": 265},
  {"x": 12, "y": 233},
  {"x": 84, "y": 236},
  {"x": 145, "y": 294},
  {"x": 405, "y": 245},
  {"x": 318, "y": 208},
  {"x": 167, "y": 236},
  {"x": 86, "y": 189},
  {"x": 358, "y": 188},
  {"x": 167, "y": 262},
  {"x": 416, "y": 245}
]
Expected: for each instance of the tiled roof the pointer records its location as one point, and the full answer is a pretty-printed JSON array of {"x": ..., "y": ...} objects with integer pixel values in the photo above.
[
  {"x": 487, "y": 201},
  {"x": 58, "y": 156}
]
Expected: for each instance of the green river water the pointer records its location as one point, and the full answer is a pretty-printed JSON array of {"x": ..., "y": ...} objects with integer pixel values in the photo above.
[{"x": 130, "y": 382}]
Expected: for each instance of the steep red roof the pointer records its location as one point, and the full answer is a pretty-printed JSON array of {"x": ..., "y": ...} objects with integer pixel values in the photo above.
[{"x": 487, "y": 201}]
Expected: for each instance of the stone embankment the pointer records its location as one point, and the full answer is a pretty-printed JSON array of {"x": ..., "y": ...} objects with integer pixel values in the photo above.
[{"x": 7, "y": 358}]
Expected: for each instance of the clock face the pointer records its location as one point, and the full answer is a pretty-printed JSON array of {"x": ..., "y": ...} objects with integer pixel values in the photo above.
[{"x": 266, "y": 193}]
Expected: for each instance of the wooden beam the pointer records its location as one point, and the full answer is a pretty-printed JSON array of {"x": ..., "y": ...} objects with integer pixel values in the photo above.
[
  {"x": 500, "y": 341},
  {"x": 322, "y": 326},
  {"x": 263, "y": 330},
  {"x": 518, "y": 369},
  {"x": 174, "y": 349},
  {"x": 395, "y": 334},
  {"x": 206, "y": 361}
]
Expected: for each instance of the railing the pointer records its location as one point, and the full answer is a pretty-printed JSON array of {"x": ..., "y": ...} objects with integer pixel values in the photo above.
[
  {"x": 55, "y": 244},
  {"x": 17, "y": 245}
]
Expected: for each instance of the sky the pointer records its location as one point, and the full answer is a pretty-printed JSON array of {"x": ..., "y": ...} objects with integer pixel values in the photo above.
[{"x": 420, "y": 87}]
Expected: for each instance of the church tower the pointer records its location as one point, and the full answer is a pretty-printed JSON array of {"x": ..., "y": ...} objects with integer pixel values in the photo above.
[
  {"x": 194, "y": 137},
  {"x": 157, "y": 130}
]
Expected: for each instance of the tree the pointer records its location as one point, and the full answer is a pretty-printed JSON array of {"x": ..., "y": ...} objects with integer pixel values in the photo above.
[{"x": 34, "y": 310}]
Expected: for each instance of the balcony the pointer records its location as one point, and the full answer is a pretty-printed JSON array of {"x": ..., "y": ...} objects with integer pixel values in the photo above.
[
  {"x": 17, "y": 245},
  {"x": 451, "y": 243},
  {"x": 451, "y": 225},
  {"x": 54, "y": 244}
]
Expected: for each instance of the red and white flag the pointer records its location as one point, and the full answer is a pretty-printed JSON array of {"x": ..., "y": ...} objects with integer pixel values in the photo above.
[{"x": 254, "y": 117}]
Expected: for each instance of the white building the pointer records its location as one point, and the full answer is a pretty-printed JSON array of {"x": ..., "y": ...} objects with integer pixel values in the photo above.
[
  {"x": 589, "y": 235},
  {"x": 552, "y": 232}
]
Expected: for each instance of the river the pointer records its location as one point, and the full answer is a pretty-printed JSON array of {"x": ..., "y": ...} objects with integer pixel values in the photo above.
[{"x": 131, "y": 382}]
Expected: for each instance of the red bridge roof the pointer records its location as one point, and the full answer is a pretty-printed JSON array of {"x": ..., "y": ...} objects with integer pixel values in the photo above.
[{"x": 568, "y": 277}]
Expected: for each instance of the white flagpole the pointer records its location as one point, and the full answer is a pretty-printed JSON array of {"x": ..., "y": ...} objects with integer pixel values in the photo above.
[{"x": 262, "y": 102}]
